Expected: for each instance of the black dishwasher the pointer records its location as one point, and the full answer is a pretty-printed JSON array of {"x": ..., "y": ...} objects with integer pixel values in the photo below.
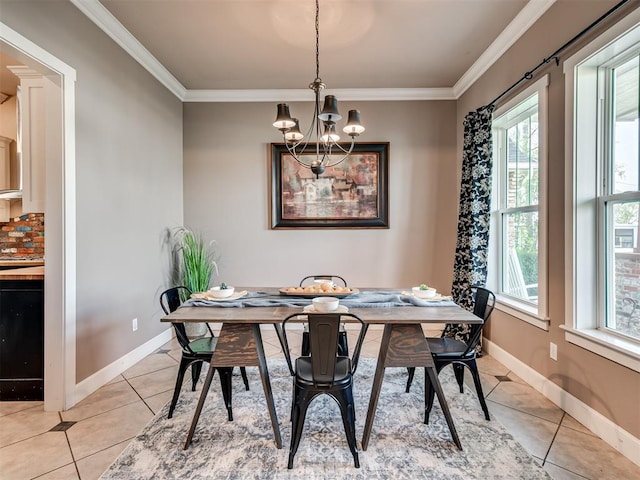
[{"x": 21, "y": 340}]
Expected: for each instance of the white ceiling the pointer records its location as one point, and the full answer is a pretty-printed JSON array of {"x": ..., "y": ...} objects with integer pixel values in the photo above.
[{"x": 215, "y": 49}]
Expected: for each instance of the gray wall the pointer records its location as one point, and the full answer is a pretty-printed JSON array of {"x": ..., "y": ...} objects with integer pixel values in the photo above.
[
  {"x": 128, "y": 180},
  {"x": 609, "y": 388},
  {"x": 226, "y": 196}
]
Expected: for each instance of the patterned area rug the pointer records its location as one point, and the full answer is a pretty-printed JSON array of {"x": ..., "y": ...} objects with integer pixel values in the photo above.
[{"x": 400, "y": 447}]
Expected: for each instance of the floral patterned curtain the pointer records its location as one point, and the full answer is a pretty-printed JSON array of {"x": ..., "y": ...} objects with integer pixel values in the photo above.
[{"x": 470, "y": 266}]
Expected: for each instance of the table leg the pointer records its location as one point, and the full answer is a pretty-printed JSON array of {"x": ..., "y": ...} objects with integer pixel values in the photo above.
[
  {"x": 279, "y": 332},
  {"x": 203, "y": 396},
  {"x": 377, "y": 384},
  {"x": 404, "y": 345},
  {"x": 239, "y": 345},
  {"x": 266, "y": 384},
  {"x": 435, "y": 384}
]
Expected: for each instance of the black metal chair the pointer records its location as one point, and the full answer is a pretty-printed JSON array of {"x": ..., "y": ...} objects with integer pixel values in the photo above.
[
  {"x": 194, "y": 352},
  {"x": 331, "y": 278},
  {"x": 343, "y": 344},
  {"x": 323, "y": 371},
  {"x": 459, "y": 354}
]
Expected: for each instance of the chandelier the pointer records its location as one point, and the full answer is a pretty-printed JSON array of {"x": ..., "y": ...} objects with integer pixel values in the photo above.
[{"x": 328, "y": 152}]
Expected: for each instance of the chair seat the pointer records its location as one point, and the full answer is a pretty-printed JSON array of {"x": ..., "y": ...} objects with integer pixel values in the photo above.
[
  {"x": 205, "y": 345},
  {"x": 448, "y": 348},
  {"x": 342, "y": 373}
]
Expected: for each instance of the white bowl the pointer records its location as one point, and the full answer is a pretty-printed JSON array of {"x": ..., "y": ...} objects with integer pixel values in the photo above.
[
  {"x": 325, "y": 304},
  {"x": 217, "y": 292},
  {"x": 420, "y": 293}
]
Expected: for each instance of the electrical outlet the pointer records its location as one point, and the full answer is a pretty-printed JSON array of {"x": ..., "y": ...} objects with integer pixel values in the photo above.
[
  {"x": 134, "y": 324},
  {"x": 553, "y": 351}
]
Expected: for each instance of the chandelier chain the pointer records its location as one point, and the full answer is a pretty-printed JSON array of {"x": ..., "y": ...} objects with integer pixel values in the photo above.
[{"x": 317, "y": 39}]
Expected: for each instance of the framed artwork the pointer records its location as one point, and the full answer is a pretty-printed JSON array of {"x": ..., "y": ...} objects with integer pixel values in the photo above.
[{"x": 351, "y": 194}]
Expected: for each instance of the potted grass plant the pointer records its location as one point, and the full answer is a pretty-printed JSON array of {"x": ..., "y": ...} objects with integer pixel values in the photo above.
[
  {"x": 197, "y": 260},
  {"x": 197, "y": 265}
]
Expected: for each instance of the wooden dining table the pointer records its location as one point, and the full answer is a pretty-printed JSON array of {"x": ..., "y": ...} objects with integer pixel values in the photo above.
[{"x": 403, "y": 344}]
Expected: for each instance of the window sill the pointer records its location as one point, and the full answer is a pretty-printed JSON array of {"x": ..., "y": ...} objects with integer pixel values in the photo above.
[
  {"x": 522, "y": 311},
  {"x": 609, "y": 346}
]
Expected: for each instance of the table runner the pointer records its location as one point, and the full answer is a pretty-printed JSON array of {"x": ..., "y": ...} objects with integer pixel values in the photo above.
[{"x": 368, "y": 299}]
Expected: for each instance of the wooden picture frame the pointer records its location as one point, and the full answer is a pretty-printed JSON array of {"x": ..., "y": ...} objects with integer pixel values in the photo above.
[{"x": 351, "y": 194}]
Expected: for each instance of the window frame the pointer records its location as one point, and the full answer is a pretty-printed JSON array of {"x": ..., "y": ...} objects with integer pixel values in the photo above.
[
  {"x": 531, "y": 313},
  {"x": 585, "y": 199}
]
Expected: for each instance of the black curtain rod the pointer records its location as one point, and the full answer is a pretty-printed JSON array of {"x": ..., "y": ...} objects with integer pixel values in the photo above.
[{"x": 554, "y": 56}]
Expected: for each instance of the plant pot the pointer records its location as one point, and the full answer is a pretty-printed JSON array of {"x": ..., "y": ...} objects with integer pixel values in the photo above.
[{"x": 195, "y": 330}]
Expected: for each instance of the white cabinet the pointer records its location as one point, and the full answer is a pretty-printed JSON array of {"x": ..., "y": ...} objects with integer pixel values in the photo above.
[
  {"x": 31, "y": 137},
  {"x": 5, "y": 175},
  {"x": 5, "y": 163}
]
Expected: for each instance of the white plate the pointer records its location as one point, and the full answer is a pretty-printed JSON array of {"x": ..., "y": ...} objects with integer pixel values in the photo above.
[
  {"x": 438, "y": 297},
  {"x": 207, "y": 296},
  {"x": 311, "y": 309}
]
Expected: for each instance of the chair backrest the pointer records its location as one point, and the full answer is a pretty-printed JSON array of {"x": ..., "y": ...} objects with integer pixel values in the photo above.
[
  {"x": 483, "y": 302},
  {"x": 170, "y": 300},
  {"x": 323, "y": 346},
  {"x": 324, "y": 329},
  {"x": 337, "y": 279}
]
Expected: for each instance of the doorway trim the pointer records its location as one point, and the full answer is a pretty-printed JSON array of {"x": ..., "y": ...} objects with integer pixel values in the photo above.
[{"x": 60, "y": 219}]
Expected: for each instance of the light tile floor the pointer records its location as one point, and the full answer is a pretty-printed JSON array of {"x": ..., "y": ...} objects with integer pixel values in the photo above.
[{"x": 104, "y": 423}]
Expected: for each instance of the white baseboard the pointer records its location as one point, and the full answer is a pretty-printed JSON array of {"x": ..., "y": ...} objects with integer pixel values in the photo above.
[
  {"x": 90, "y": 384},
  {"x": 608, "y": 431}
]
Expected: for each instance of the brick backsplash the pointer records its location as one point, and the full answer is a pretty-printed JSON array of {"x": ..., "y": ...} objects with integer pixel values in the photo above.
[{"x": 22, "y": 237}]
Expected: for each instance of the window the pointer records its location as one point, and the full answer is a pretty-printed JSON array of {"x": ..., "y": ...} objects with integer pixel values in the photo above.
[
  {"x": 619, "y": 197},
  {"x": 603, "y": 208},
  {"x": 518, "y": 245},
  {"x": 625, "y": 238}
]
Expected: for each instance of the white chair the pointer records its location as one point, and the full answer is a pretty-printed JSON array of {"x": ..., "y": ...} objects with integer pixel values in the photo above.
[{"x": 515, "y": 280}]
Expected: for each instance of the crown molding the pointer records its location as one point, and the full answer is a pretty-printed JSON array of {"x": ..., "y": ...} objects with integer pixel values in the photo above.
[
  {"x": 98, "y": 14},
  {"x": 518, "y": 26},
  {"x": 304, "y": 95}
]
